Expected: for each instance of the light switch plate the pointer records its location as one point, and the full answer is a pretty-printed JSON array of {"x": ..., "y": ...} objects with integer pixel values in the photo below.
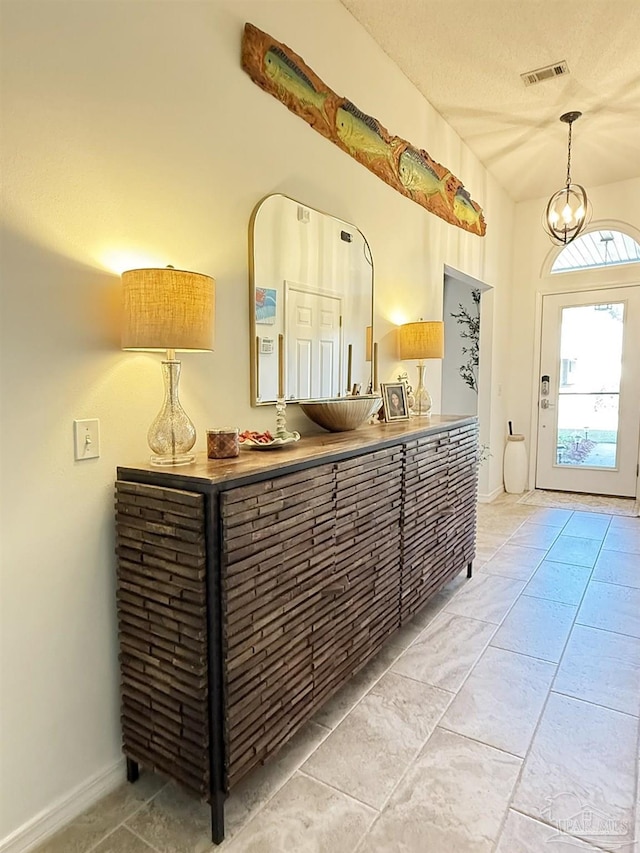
[{"x": 86, "y": 438}]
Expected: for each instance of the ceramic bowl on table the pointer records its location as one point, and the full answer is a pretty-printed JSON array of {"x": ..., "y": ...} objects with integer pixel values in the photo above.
[{"x": 341, "y": 414}]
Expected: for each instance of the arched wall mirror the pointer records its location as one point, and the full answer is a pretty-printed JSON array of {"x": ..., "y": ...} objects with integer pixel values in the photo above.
[{"x": 311, "y": 280}]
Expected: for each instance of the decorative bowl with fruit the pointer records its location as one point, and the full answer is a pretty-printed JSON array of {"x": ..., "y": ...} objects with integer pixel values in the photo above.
[{"x": 252, "y": 440}]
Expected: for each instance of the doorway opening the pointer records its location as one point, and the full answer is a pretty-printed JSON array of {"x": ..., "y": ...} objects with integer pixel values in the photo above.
[
  {"x": 589, "y": 392},
  {"x": 467, "y": 362},
  {"x": 586, "y": 417}
]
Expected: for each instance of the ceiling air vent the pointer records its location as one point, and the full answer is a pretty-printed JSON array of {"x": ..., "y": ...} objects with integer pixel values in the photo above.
[{"x": 558, "y": 69}]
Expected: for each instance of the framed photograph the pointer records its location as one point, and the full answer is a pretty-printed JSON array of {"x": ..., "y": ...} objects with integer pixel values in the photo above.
[{"x": 394, "y": 401}]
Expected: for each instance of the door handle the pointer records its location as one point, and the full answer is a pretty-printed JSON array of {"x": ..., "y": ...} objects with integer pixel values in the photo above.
[{"x": 545, "y": 404}]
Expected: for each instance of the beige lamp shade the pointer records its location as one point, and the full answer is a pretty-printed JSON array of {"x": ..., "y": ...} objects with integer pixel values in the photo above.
[
  {"x": 168, "y": 309},
  {"x": 422, "y": 340}
]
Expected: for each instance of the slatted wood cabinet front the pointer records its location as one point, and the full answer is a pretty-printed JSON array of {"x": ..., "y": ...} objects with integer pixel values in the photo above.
[{"x": 317, "y": 568}]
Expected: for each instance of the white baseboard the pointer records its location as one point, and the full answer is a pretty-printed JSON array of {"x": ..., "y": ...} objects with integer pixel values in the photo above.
[
  {"x": 486, "y": 499},
  {"x": 64, "y": 810}
]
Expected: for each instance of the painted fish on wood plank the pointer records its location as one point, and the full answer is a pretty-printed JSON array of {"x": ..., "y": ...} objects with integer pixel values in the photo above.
[{"x": 411, "y": 171}]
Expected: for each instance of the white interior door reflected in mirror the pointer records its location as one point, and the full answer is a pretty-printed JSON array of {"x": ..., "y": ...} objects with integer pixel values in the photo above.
[
  {"x": 313, "y": 345},
  {"x": 311, "y": 280}
]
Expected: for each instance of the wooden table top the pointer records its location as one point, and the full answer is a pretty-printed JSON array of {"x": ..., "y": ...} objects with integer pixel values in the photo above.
[{"x": 311, "y": 449}]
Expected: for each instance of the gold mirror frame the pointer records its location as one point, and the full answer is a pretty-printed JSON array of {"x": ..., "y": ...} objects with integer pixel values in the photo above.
[{"x": 302, "y": 258}]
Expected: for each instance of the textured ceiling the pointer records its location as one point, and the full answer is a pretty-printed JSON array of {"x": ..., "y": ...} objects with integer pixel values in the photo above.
[{"x": 465, "y": 56}]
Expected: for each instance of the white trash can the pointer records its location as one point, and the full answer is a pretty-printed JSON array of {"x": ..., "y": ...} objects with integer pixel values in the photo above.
[{"x": 515, "y": 465}]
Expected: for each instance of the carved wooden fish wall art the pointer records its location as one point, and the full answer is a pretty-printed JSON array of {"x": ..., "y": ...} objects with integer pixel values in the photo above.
[{"x": 409, "y": 170}]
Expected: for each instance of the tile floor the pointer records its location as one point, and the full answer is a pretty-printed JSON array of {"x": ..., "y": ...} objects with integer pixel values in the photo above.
[{"x": 504, "y": 718}]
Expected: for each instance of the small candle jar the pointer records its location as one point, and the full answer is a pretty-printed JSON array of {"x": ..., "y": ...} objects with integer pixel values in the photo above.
[{"x": 222, "y": 443}]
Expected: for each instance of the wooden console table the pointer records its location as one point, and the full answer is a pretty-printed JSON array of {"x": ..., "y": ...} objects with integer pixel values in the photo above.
[{"x": 251, "y": 589}]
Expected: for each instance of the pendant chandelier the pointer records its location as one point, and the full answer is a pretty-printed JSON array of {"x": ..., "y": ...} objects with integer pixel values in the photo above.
[{"x": 568, "y": 210}]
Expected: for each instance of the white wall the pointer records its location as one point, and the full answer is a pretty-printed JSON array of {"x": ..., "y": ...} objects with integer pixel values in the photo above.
[
  {"x": 457, "y": 395},
  {"x": 131, "y": 136},
  {"x": 614, "y": 205}
]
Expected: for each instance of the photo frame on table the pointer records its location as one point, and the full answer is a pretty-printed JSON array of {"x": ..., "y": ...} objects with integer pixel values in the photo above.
[{"x": 395, "y": 404}]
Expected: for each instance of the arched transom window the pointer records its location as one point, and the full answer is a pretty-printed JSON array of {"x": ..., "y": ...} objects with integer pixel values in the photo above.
[{"x": 597, "y": 249}]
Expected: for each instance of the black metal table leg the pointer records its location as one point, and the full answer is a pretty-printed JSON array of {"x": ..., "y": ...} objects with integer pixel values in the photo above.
[
  {"x": 216, "y": 704},
  {"x": 133, "y": 770},
  {"x": 469, "y": 569},
  {"x": 217, "y": 817}
]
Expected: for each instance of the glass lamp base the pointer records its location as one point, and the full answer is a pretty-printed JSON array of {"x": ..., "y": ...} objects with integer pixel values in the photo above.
[
  {"x": 422, "y": 402},
  {"x": 180, "y": 459},
  {"x": 172, "y": 435}
]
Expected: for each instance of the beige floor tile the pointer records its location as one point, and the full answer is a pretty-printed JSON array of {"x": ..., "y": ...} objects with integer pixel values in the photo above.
[
  {"x": 261, "y": 784},
  {"x": 601, "y": 667},
  {"x": 611, "y": 607},
  {"x": 553, "y": 517},
  {"x": 461, "y": 806},
  {"x": 507, "y": 500},
  {"x": 559, "y": 582},
  {"x": 626, "y": 521},
  {"x": 123, "y": 841},
  {"x": 446, "y": 651},
  {"x": 590, "y": 525},
  {"x": 486, "y": 597},
  {"x": 487, "y": 544},
  {"x": 623, "y": 539},
  {"x": 535, "y": 535},
  {"x": 371, "y": 749},
  {"x": 522, "y": 834},
  {"x": 637, "y": 829},
  {"x": 501, "y": 700},
  {"x": 536, "y": 627},
  {"x": 305, "y": 816},
  {"x": 575, "y": 550},
  {"x": 581, "y": 766},
  {"x": 617, "y": 567},
  {"x": 174, "y": 822},
  {"x": 85, "y": 831},
  {"x": 514, "y": 561},
  {"x": 500, "y": 525}
]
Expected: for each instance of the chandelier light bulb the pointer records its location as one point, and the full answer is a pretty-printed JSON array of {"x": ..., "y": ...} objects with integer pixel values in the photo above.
[{"x": 567, "y": 214}]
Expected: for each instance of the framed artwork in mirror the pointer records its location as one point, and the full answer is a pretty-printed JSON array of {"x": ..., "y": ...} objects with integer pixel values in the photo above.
[
  {"x": 394, "y": 401},
  {"x": 266, "y": 305}
]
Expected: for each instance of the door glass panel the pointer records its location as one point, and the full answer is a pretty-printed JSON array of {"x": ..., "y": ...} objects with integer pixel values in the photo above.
[
  {"x": 591, "y": 339},
  {"x": 587, "y": 430}
]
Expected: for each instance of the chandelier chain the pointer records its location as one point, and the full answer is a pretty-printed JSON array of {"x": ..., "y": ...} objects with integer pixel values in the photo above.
[{"x": 569, "y": 156}]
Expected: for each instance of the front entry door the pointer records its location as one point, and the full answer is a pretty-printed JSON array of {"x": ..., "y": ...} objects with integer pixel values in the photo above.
[{"x": 589, "y": 392}]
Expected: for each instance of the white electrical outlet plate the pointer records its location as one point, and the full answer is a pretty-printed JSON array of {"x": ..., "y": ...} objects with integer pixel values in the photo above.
[{"x": 86, "y": 438}]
